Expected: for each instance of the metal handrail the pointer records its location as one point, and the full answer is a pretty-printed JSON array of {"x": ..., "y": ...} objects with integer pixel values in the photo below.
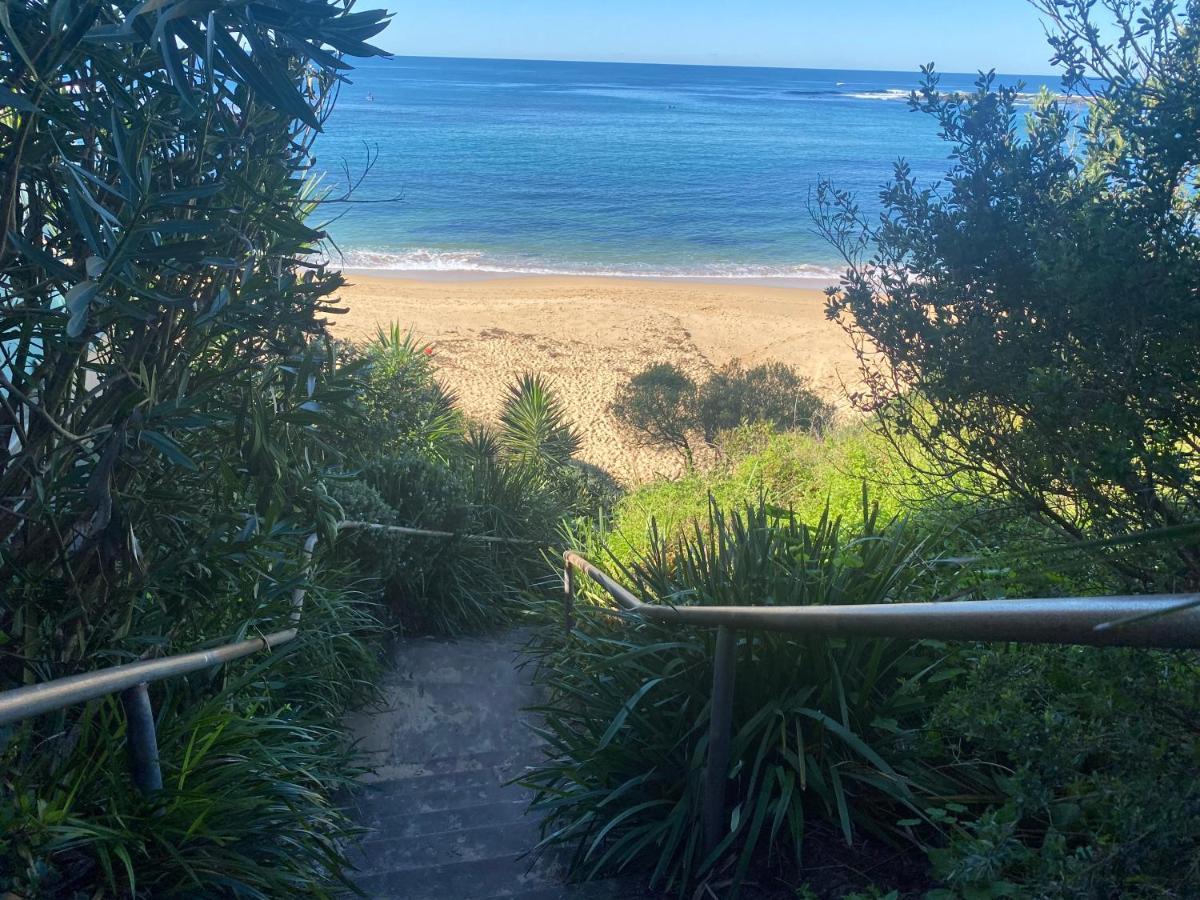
[
  {"x": 132, "y": 679},
  {"x": 35, "y": 699},
  {"x": 1059, "y": 620},
  {"x": 1091, "y": 621}
]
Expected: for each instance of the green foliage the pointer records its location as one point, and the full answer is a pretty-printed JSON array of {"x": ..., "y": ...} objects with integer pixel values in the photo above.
[
  {"x": 800, "y": 471},
  {"x": 404, "y": 405},
  {"x": 533, "y": 427},
  {"x": 1032, "y": 321},
  {"x": 824, "y": 730},
  {"x": 1039, "y": 772},
  {"x": 659, "y": 405},
  {"x": 1100, "y": 749},
  {"x": 167, "y": 401},
  {"x": 666, "y": 408},
  {"x": 771, "y": 393},
  {"x": 250, "y": 761},
  {"x": 440, "y": 473}
]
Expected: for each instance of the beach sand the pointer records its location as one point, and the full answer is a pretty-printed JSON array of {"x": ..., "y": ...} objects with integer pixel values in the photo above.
[{"x": 591, "y": 335}]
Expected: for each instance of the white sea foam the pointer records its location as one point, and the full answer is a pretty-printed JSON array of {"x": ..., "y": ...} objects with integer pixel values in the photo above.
[
  {"x": 427, "y": 260},
  {"x": 1025, "y": 98},
  {"x": 888, "y": 94}
]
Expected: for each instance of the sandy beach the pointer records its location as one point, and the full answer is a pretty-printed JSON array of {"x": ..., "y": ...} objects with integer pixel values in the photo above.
[{"x": 590, "y": 335}]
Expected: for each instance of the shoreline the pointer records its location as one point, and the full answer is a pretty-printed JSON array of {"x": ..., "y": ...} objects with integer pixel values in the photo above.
[
  {"x": 801, "y": 282},
  {"x": 590, "y": 334}
]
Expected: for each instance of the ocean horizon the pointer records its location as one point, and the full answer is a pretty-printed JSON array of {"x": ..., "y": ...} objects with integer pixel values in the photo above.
[{"x": 532, "y": 167}]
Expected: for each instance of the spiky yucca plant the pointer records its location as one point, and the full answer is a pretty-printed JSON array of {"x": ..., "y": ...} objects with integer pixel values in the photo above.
[
  {"x": 407, "y": 407},
  {"x": 533, "y": 424},
  {"x": 824, "y": 731}
]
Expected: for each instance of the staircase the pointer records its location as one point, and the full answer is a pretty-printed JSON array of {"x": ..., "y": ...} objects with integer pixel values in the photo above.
[{"x": 443, "y": 822}]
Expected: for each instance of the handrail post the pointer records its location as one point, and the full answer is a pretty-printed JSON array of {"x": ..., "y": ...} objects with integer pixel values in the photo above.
[
  {"x": 569, "y": 597},
  {"x": 720, "y": 722},
  {"x": 142, "y": 741}
]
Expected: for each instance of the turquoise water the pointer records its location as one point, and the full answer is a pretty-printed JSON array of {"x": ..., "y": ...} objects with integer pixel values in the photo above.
[{"x": 610, "y": 168}]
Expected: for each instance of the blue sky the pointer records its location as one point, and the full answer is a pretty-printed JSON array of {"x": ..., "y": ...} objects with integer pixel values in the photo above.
[{"x": 860, "y": 34}]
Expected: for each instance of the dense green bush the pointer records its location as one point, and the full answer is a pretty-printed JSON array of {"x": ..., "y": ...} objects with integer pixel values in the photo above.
[
  {"x": 167, "y": 402},
  {"x": 1100, "y": 750},
  {"x": 824, "y": 730},
  {"x": 251, "y": 762},
  {"x": 1031, "y": 320},
  {"x": 666, "y": 408},
  {"x": 440, "y": 473},
  {"x": 771, "y": 393},
  {"x": 404, "y": 405}
]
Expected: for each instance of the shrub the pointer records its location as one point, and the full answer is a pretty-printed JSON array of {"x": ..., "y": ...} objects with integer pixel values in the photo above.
[
  {"x": 659, "y": 404},
  {"x": 824, "y": 730},
  {"x": 1031, "y": 321},
  {"x": 534, "y": 430},
  {"x": 445, "y": 474},
  {"x": 404, "y": 405},
  {"x": 1099, "y": 750},
  {"x": 168, "y": 399},
  {"x": 665, "y": 407},
  {"x": 771, "y": 393}
]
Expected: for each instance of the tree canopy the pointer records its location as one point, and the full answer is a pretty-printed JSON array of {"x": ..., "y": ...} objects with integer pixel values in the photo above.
[{"x": 1034, "y": 319}]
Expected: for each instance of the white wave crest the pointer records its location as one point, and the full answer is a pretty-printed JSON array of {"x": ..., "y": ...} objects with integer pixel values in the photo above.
[
  {"x": 427, "y": 260},
  {"x": 888, "y": 94}
]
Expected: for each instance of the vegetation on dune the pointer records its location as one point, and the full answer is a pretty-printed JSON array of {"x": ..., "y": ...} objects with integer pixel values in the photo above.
[
  {"x": 665, "y": 407},
  {"x": 794, "y": 470},
  {"x": 419, "y": 463}
]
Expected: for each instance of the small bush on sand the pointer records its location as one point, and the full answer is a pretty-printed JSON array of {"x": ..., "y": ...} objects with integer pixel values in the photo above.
[
  {"x": 659, "y": 405},
  {"x": 666, "y": 408},
  {"x": 772, "y": 393}
]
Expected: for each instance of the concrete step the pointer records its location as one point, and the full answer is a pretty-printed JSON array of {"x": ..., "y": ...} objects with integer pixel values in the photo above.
[
  {"x": 420, "y": 721},
  {"x": 444, "y": 820},
  {"x": 509, "y": 759},
  {"x": 467, "y": 845},
  {"x": 509, "y": 762},
  {"x": 454, "y": 661},
  {"x": 505, "y": 876},
  {"x": 604, "y": 889},
  {"x": 386, "y": 806}
]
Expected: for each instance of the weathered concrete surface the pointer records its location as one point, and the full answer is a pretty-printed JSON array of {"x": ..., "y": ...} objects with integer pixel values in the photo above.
[{"x": 444, "y": 822}]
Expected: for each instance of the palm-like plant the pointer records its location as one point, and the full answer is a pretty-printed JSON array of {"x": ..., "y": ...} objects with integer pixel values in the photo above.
[
  {"x": 481, "y": 444},
  {"x": 825, "y": 731},
  {"x": 533, "y": 425},
  {"x": 406, "y": 406}
]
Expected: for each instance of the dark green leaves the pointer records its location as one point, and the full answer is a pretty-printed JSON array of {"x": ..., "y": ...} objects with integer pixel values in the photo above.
[
  {"x": 169, "y": 396},
  {"x": 823, "y": 732},
  {"x": 1033, "y": 318}
]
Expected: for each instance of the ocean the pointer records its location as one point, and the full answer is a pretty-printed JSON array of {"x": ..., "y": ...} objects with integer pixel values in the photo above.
[{"x": 610, "y": 168}]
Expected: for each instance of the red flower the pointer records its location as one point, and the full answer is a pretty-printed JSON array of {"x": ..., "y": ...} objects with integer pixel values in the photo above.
[{"x": 429, "y": 351}]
